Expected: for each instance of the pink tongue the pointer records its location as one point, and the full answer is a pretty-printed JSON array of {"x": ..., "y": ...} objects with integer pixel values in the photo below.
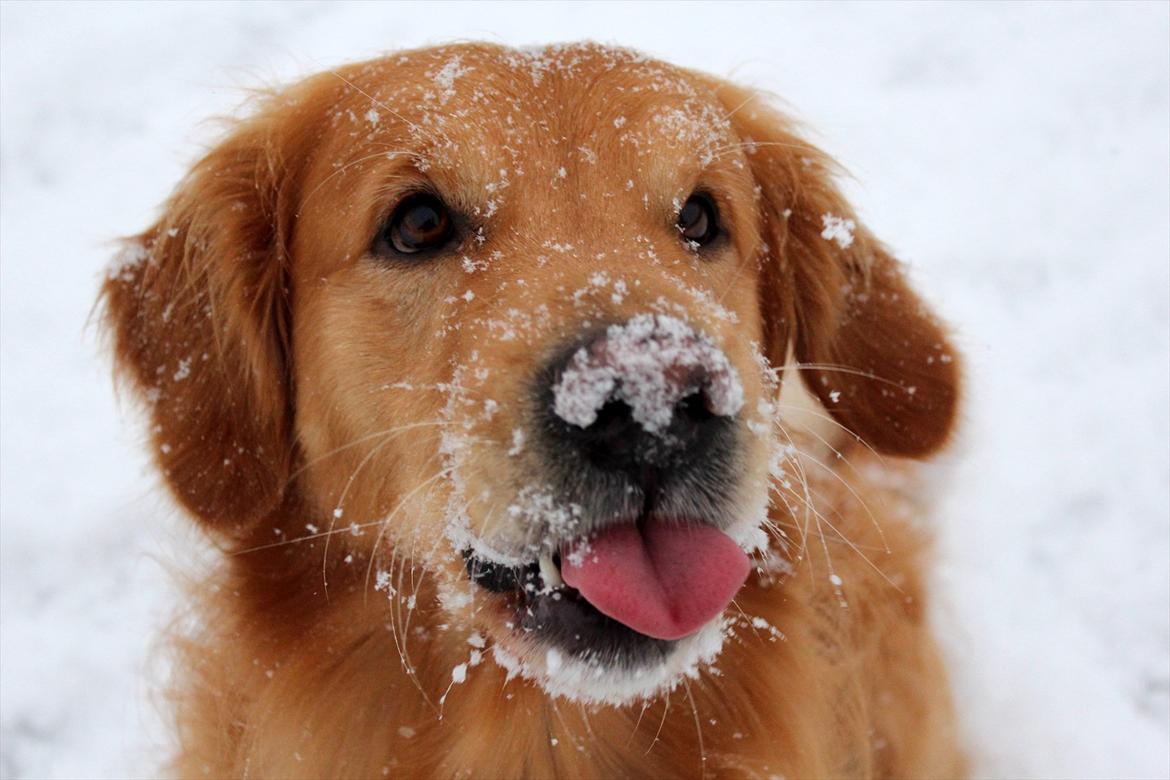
[{"x": 665, "y": 581}]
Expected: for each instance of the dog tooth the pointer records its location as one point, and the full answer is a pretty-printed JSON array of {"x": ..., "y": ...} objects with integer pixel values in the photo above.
[{"x": 549, "y": 572}]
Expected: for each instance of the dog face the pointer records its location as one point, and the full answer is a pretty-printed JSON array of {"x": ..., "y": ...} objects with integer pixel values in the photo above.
[{"x": 511, "y": 321}]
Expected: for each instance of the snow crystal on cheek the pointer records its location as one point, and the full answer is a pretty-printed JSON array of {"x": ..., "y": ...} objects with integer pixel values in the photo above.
[
  {"x": 640, "y": 363},
  {"x": 517, "y": 443}
]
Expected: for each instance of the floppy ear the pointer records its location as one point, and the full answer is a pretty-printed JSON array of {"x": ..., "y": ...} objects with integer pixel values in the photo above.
[
  {"x": 867, "y": 346},
  {"x": 198, "y": 309}
]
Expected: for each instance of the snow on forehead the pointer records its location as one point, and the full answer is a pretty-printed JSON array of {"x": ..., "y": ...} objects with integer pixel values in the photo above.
[
  {"x": 674, "y": 107},
  {"x": 457, "y": 88},
  {"x": 569, "y": 60}
]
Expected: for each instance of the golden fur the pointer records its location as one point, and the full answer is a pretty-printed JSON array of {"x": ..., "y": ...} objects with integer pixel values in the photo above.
[{"x": 288, "y": 374}]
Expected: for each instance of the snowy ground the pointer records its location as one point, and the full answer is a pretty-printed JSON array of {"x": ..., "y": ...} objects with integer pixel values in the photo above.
[{"x": 1016, "y": 155}]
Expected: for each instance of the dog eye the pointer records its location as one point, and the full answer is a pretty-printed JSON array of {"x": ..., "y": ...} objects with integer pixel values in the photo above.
[
  {"x": 420, "y": 223},
  {"x": 698, "y": 220}
]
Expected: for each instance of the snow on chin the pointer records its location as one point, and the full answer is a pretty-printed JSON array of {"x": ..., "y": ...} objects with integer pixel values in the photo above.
[
  {"x": 749, "y": 533},
  {"x": 590, "y": 682},
  {"x": 635, "y": 364}
]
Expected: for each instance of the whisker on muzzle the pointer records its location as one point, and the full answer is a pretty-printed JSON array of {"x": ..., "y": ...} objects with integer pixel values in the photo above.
[{"x": 361, "y": 440}]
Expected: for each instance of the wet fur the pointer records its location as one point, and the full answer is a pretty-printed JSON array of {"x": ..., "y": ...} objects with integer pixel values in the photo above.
[{"x": 296, "y": 666}]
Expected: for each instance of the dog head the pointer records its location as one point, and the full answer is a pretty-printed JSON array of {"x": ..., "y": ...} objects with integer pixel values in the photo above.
[{"x": 515, "y": 320}]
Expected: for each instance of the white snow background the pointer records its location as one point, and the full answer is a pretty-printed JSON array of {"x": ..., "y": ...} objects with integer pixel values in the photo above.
[{"x": 1015, "y": 155}]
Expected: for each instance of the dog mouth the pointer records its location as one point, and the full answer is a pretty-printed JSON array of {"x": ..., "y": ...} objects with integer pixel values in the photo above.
[
  {"x": 625, "y": 594},
  {"x": 639, "y": 443}
]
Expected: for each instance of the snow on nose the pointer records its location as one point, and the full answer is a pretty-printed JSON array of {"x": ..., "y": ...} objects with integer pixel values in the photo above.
[{"x": 650, "y": 363}]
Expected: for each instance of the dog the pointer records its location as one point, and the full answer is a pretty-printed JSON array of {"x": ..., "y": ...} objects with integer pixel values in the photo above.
[{"x": 551, "y": 415}]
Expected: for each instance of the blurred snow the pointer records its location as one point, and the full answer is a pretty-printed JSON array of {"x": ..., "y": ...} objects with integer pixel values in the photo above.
[{"x": 1016, "y": 155}]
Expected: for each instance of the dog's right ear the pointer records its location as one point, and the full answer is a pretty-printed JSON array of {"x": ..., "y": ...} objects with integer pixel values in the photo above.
[{"x": 198, "y": 309}]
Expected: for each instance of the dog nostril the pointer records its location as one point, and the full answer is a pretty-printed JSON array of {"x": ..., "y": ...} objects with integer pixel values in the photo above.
[
  {"x": 614, "y": 421},
  {"x": 694, "y": 409},
  {"x": 612, "y": 440},
  {"x": 615, "y": 441}
]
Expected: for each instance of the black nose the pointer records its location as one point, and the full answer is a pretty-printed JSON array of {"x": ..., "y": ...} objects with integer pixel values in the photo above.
[
  {"x": 652, "y": 417},
  {"x": 617, "y": 442}
]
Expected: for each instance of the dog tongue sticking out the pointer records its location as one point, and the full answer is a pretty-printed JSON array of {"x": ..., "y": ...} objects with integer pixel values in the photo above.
[{"x": 664, "y": 581}]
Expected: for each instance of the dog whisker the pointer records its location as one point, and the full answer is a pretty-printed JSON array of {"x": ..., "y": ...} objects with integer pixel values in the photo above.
[
  {"x": 412, "y": 125},
  {"x": 638, "y": 722},
  {"x": 820, "y": 518},
  {"x": 698, "y": 729},
  {"x": 803, "y": 478},
  {"x": 845, "y": 483},
  {"x": 401, "y": 638},
  {"x": 842, "y": 370},
  {"x": 361, "y": 440},
  {"x": 751, "y": 96},
  {"x": 833, "y": 421},
  {"x": 747, "y": 618},
  {"x": 349, "y": 529},
  {"x": 385, "y": 522},
  {"x": 720, "y": 151},
  {"x": 564, "y": 725},
  {"x": 341, "y": 506},
  {"x": 342, "y": 169},
  {"x": 661, "y": 723},
  {"x": 811, "y": 513},
  {"x": 776, "y": 534},
  {"x": 774, "y": 525}
]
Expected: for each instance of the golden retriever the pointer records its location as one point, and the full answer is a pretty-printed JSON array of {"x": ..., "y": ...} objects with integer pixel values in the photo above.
[{"x": 469, "y": 361}]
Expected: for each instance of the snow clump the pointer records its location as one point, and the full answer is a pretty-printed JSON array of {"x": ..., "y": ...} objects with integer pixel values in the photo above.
[
  {"x": 132, "y": 255},
  {"x": 650, "y": 363},
  {"x": 838, "y": 229}
]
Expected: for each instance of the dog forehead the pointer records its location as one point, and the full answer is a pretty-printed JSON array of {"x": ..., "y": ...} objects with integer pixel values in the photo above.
[{"x": 490, "y": 108}]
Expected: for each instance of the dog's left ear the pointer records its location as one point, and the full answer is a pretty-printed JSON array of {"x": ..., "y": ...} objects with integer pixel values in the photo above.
[{"x": 868, "y": 347}]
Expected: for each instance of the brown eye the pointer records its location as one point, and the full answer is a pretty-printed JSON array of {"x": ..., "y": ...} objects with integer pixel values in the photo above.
[
  {"x": 698, "y": 220},
  {"x": 420, "y": 223}
]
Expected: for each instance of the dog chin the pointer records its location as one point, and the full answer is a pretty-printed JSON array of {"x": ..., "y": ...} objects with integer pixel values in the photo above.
[{"x": 592, "y": 681}]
